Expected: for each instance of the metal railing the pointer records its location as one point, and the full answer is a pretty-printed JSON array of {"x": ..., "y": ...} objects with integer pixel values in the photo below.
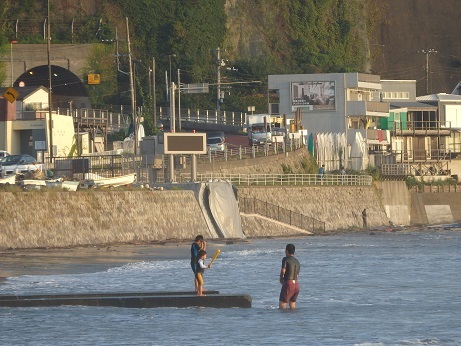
[
  {"x": 232, "y": 153},
  {"x": 108, "y": 166},
  {"x": 423, "y": 188},
  {"x": 280, "y": 214},
  {"x": 409, "y": 156},
  {"x": 105, "y": 166},
  {"x": 416, "y": 169},
  {"x": 204, "y": 116},
  {"x": 282, "y": 179},
  {"x": 422, "y": 127}
]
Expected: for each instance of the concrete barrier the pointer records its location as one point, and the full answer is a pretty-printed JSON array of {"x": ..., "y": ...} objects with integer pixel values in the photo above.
[{"x": 132, "y": 300}]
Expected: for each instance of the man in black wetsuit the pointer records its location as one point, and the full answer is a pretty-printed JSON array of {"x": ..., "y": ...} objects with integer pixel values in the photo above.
[{"x": 289, "y": 279}]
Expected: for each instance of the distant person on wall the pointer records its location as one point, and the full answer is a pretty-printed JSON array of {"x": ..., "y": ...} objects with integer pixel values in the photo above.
[
  {"x": 364, "y": 217},
  {"x": 200, "y": 269},
  {"x": 322, "y": 172},
  {"x": 197, "y": 245},
  {"x": 289, "y": 279}
]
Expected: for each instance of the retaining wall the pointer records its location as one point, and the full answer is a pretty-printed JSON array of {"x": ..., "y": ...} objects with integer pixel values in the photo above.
[
  {"x": 36, "y": 219},
  {"x": 59, "y": 219}
]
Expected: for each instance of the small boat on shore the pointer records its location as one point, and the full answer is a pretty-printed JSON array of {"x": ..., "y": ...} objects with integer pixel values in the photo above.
[
  {"x": 8, "y": 180},
  {"x": 49, "y": 183},
  {"x": 65, "y": 185},
  {"x": 93, "y": 180}
]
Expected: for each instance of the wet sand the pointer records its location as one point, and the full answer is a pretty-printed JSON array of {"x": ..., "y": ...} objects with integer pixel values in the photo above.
[
  {"x": 90, "y": 259},
  {"x": 84, "y": 259}
]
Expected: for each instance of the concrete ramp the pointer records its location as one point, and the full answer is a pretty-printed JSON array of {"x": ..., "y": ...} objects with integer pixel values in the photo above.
[
  {"x": 132, "y": 300},
  {"x": 224, "y": 209}
]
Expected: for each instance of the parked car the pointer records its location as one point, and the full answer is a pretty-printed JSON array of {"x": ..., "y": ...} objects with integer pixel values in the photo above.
[
  {"x": 14, "y": 164},
  {"x": 216, "y": 134},
  {"x": 215, "y": 144},
  {"x": 3, "y": 153}
]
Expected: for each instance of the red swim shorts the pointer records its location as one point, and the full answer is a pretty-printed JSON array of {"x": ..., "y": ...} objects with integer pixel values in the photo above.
[{"x": 289, "y": 292}]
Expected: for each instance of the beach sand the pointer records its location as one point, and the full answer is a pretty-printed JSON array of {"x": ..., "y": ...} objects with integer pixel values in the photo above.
[
  {"x": 84, "y": 259},
  {"x": 90, "y": 259}
]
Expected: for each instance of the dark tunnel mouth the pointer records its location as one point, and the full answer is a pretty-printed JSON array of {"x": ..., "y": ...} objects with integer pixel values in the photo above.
[{"x": 63, "y": 81}]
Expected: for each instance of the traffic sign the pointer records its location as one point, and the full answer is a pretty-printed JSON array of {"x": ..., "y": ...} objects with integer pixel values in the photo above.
[
  {"x": 11, "y": 95},
  {"x": 197, "y": 88},
  {"x": 94, "y": 78}
]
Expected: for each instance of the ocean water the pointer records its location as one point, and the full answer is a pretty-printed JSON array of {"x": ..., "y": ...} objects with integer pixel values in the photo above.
[{"x": 356, "y": 289}]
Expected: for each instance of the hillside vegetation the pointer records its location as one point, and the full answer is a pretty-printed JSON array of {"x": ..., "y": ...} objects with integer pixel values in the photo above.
[{"x": 256, "y": 37}]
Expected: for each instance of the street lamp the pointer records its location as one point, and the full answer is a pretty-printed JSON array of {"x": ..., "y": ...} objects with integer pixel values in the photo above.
[{"x": 11, "y": 59}]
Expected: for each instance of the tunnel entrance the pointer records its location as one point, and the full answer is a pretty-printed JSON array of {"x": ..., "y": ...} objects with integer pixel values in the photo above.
[{"x": 68, "y": 91}]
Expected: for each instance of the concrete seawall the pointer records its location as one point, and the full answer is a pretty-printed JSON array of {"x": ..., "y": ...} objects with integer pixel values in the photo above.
[
  {"x": 60, "y": 219},
  {"x": 36, "y": 219},
  {"x": 339, "y": 207}
]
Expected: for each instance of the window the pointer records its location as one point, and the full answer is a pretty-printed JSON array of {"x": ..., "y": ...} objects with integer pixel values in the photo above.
[{"x": 401, "y": 95}]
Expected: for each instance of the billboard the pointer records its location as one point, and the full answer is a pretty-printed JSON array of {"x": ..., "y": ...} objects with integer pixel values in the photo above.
[
  {"x": 312, "y": 96},
  {"x": 185, "y": 143}
]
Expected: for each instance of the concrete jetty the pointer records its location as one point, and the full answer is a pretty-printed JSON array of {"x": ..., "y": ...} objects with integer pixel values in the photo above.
[{"x": 131, "y": 300}]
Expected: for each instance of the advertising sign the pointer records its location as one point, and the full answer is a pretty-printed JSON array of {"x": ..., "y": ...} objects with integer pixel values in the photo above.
[
  {"x": 185, "y": 143},
  {"x": 312, "y": 96}
]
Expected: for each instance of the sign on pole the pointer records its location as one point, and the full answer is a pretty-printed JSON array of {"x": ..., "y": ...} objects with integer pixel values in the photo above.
[
  {"x": 185, "y": 143},
  {"x": 11, "y": 95},
  {"x": 198, "y": 88},
  {"x": 94, "y": 78}
]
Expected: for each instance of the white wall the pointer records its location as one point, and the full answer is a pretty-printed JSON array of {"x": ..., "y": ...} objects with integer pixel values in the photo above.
[{"x": 453, "y": 115}]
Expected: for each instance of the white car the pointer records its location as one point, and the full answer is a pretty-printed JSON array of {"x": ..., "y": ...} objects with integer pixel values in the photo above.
[
  {"x": 14, "y": 164},
  {"x": 215, "y": 144}
]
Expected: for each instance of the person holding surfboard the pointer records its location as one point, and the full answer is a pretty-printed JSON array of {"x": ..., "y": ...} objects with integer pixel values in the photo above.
[
  {"x": 200, "y": 269},
  {"x": 289, "y": 279},
  {"x": 197, "y": 245}
]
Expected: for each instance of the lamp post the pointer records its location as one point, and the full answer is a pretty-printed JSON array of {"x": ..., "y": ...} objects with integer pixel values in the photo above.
[{"x": 11, "y": 59}]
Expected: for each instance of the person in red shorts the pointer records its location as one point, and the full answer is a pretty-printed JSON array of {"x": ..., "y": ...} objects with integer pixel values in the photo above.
[{"x": 289, "y": 279}]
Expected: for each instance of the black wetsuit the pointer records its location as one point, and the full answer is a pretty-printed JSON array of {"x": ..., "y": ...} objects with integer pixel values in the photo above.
[
  {"x": 194, "y": 249},
  {"x": 292, "y": 266}
]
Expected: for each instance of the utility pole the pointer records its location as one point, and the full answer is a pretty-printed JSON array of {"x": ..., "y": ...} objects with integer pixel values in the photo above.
[
  {"x": 50, "y": 112},
  {"x": 428, "y": 51},
  {"x": 133, "y": 105},
  {"x": 218, "y": 77},
  {"x": 179, "y": 100},
  {"x": 153, "y": 93},
  {"x": 172, "y": 129},
  {"x": 11, "y": 61}
]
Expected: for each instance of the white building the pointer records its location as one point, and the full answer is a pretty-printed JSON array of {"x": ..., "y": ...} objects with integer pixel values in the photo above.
[{"x": 333, "y": 103}]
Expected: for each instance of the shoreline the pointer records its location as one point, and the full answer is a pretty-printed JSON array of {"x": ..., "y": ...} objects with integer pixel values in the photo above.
[{"x": 94, "y": 258}]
